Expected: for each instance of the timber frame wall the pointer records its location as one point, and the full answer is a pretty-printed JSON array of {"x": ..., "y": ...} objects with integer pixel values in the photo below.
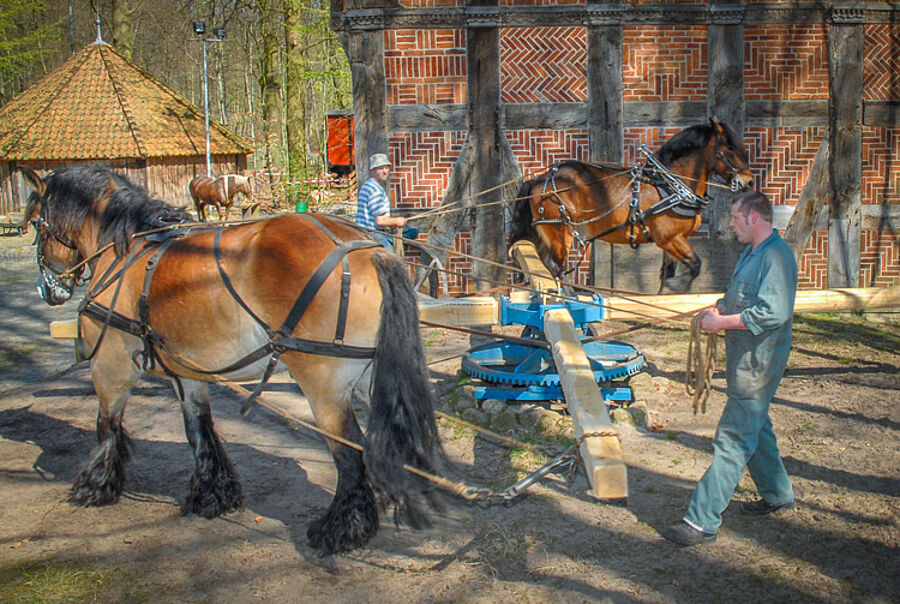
[{"x": 466, "y": 95}]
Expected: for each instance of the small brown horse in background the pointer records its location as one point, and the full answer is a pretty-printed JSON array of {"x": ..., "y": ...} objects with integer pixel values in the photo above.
[
  {"x": 580, "y": 202},
  {"x": 219, "y": 192},
  {"x": 198, "y": 301}
]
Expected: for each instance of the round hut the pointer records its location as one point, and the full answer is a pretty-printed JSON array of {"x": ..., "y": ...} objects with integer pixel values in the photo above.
[{"x": 99, "y": 107}]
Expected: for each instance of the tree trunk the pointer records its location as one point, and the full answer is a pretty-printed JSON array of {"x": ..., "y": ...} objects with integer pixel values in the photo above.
[
  {"x": 295, "y": 101},
  {"x": 121, "y": 27},
  {"x": 271, "y": 30}
]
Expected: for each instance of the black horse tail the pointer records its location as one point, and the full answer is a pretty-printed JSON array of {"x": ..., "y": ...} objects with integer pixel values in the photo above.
[
  {"x": 401, "y": 428},
  {"x": 521, "y": 226}
]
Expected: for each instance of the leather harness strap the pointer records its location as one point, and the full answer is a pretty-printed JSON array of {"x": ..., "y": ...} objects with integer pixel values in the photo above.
[{"x": 279, "y": 341}]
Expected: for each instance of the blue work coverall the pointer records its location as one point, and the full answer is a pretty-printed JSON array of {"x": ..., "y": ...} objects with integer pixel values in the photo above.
[{"x": 762, "y": 290}]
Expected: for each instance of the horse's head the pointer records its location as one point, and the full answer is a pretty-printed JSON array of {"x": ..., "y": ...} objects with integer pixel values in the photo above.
[
  {"x": 242, "y": 185},
  {"x": 731, "y": 162},
  {"x": 57, "y": 255}
]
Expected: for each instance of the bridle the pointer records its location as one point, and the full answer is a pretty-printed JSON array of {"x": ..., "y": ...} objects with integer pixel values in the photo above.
[
  {"x": 50, "y": 278},
  {"x": 732, "y": 170}
]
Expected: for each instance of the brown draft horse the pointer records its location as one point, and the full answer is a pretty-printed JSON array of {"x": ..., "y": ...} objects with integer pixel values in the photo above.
[
  {"x": 193, "y": 301},
  {"x": 577, "y": 202},
  {"x": 219, "y": 192}
]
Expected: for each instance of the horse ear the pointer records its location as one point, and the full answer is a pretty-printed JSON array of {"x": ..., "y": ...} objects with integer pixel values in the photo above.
[
  {"x": 715, "y": 123},
  {"x": 33, "y": 180}
]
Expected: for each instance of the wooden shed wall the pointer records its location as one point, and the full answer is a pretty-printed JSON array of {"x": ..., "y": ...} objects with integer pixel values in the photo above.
[
  {"x": 594, "y": 81},
  {"x": 164, "y": 178}
]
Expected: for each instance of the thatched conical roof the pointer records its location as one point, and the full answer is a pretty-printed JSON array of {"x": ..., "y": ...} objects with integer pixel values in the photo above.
[{"x": 98, "y": 105}]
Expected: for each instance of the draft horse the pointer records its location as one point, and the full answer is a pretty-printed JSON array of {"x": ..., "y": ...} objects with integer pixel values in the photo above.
[
  {"x": 659, "y": 201},
  {"x": 311, "y": 292},
  {"x": 219, "y": 192}
]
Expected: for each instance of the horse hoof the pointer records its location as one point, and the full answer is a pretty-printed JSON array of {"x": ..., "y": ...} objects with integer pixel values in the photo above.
[
  {"x": 88, "y": 493},
  {"x": 214, "y": 502},
  {"x": 344, "y": 527}
]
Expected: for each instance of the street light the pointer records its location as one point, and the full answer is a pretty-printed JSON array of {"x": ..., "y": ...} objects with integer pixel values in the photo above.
[{"x": 199, "y": 28}]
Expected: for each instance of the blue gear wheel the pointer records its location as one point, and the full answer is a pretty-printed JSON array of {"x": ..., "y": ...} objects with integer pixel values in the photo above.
[{"x": 517, "y": 364}]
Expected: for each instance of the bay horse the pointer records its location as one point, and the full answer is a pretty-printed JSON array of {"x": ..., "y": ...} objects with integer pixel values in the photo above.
[
  {"x": 660, "y": 201},
  {"x": 189, "y": 302},
  {"x": 219, "y": 192}
]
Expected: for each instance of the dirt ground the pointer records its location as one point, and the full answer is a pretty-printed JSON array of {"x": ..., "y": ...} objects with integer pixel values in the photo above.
[{"x": 836, "y": 417}]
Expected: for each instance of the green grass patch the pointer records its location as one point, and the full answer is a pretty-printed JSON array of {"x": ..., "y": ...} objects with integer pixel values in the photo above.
[
  {"x": 39, "y": 582},
  {"x": 671, "y": 435}
]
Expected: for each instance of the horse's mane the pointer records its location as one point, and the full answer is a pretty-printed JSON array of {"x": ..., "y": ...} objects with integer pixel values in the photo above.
[
  {"x": 691, "y": 139},
  {"x": 72, "y": 193}
]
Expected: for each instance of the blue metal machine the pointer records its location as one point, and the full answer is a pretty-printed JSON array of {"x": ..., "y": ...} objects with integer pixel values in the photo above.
[{"x": 516, "y": 371}]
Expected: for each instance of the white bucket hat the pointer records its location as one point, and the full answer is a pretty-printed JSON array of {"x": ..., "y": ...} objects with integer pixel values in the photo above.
[{"x": 378, "y": 160}]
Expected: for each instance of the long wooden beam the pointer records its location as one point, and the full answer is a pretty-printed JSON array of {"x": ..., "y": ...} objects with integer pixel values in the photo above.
[
  {"x": 600, "y": 448},
  {"x": 826, "y": 300}
]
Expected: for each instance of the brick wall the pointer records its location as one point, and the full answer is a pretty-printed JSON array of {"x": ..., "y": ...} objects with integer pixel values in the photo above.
[
  {"x": 425, "y": 66},
  {"x": 666, "y": 63},
  {"x": 784, "y": 62},
  {"x": 543, "y": 65}
]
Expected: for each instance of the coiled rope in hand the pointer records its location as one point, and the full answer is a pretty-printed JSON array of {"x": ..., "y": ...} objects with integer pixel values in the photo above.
[{"x": 701, "y": 364}]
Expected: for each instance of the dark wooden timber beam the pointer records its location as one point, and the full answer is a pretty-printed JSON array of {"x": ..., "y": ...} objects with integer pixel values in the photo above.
[{"x": 845, "y": 49}]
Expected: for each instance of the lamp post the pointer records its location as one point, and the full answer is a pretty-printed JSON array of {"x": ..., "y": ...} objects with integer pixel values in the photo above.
[{"x": 219, "y": 33}]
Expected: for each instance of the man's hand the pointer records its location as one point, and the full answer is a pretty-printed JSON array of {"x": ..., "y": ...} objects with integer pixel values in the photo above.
[
  {"x": 383, "y": 220},
  {"x": 713, "y": 320},
  {"x": 710, "y": 321}
]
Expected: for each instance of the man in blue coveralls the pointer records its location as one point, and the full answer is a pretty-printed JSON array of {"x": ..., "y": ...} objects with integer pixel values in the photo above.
[
  {"x": 756, "y": 314},
  {"x": 373, "y": 210}
]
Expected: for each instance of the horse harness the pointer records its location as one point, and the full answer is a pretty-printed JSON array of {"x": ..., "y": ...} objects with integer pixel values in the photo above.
[
  {"x": 674, "y": 194},
  {"x": 278, "y": 340}
]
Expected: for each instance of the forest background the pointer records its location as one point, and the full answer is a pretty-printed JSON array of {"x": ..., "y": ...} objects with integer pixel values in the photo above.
[{"x": 272, "y": 78}]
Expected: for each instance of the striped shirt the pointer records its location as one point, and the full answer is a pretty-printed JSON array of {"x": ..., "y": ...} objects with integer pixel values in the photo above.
[{"x": 373, "y": 201}]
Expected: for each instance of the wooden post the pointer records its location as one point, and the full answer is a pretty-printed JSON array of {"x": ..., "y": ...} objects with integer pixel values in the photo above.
[
  {"x": 483, "y": 111},
  {"x": 845, "y": 49},
  {"x": 725, "y": 100},
  {"x": 605, "y": 114},
  {"x": 365, "y": 50}
]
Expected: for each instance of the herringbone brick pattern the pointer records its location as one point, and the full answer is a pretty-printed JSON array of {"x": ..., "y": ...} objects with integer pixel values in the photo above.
[
  {"x": 785, "y": 62},
  {"x": 880, "y": 65},
  {"x": 537, "y": 150},
  {"x": 425, "y": 66},
  {"x": 423, "y": 162},
  {"x": 664, "y": 63},
  {"x": 457, "y": 266},
  {"x": 813, "y": 265},
  {"x": 879, "y": 259},
  {"x": 652, "y": 137},
  {"x": 880, "y": 165},
  {"x": 781, "y": 159},
  {"x": 543, "y": 65}
]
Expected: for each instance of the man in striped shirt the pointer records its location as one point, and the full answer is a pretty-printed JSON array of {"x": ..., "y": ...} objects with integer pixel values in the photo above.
[{"x": 373, "y": 210}]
